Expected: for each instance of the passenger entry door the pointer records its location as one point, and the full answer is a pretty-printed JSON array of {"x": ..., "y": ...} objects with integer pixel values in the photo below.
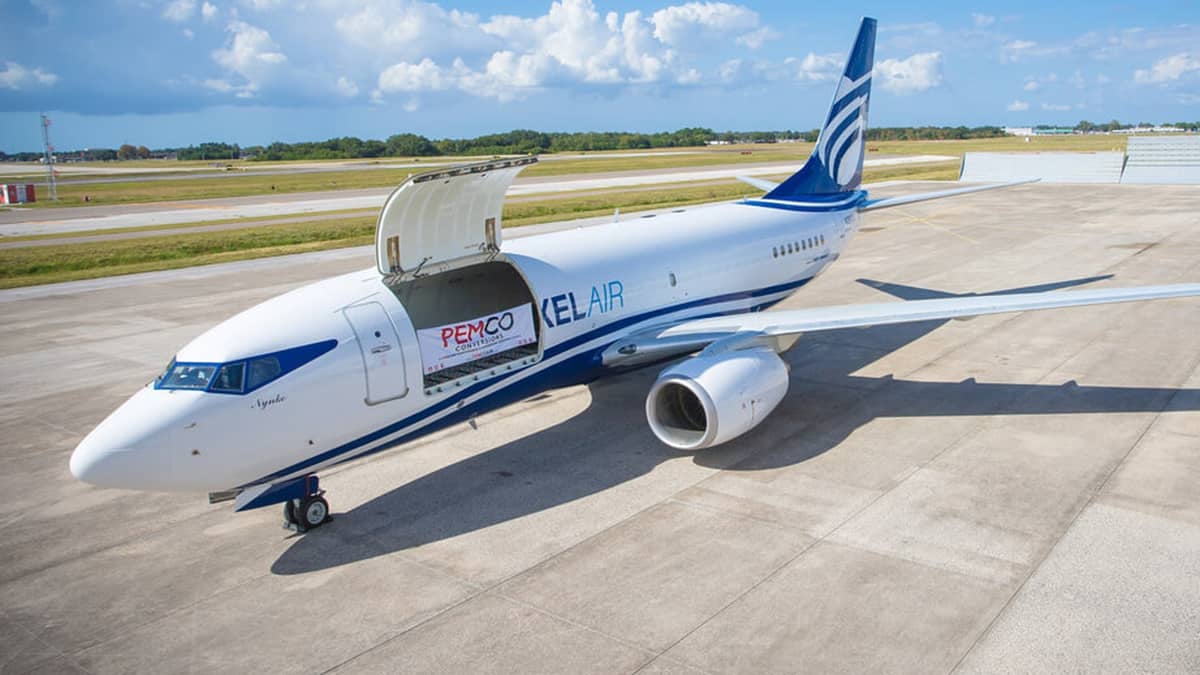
[{"x": 383, "y": 358}]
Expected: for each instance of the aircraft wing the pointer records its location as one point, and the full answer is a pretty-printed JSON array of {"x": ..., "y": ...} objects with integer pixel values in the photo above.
[
  {"x": 886, "y": 202},
  {"x": 764, "y": 185},
  {"x": 739, "y": 331}
]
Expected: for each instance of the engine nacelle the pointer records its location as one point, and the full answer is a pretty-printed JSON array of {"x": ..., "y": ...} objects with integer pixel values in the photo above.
[{"x": 707, "y": 400}]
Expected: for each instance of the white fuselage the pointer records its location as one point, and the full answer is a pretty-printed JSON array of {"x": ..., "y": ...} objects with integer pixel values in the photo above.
[{"x": 593, "y": 286}]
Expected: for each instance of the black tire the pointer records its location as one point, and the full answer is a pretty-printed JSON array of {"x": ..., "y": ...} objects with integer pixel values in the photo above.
[{"x": 313, "y": 512}]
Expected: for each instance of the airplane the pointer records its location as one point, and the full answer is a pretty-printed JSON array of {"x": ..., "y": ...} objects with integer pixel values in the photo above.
[{"x": 450, "y": 324}]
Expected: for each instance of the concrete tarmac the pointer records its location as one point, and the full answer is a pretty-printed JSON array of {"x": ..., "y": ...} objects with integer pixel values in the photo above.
[{"x": 1016, "y": 493}]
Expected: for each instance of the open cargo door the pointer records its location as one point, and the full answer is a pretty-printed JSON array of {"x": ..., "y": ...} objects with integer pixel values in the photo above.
[{"x": 444, "y": 219}]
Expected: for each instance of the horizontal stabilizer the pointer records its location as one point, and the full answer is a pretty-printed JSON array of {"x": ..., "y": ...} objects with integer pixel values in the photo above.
[
  {"x": 887, "y": 202},
  {"x": 764, "y": 185}
]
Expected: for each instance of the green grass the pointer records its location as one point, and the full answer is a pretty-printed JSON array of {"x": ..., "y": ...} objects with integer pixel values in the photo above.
[
  {"x": 65, "y": 262},
  {"x": 251, "y": 220},
  {"x": 48, "y": 264},
  {"x": 251, "y": 183}
]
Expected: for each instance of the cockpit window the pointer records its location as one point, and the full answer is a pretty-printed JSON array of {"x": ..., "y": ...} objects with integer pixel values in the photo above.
[
  {"x": 263, "y": 370},
  {"x": 244, "y": 375},
  {"x": 184, "y": 376},
  {"x": 229, "y": 378}
]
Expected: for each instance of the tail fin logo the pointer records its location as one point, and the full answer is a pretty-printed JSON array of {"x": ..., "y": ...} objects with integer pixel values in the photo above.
[
  {"x": 837, "y": 160},
  {"x": 841, "y": 144}
]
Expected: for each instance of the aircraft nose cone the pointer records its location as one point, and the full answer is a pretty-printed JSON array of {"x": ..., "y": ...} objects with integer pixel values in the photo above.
[
  {"x": 130, "y": 449},
  {"x": 104, "y": 466}
]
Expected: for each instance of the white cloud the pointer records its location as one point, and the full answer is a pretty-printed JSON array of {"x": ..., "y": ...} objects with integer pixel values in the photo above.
[
  {"x": 208, "y": 11},
  {"x": 251, "y": 54},
  {"x": 17, "y": 76},
  {"x": 757, "y": 38},
  {"x": 408, "y": 30},
  {"x": 1015, "y": 49},
  {"x": 220, "y": 86},
  {"x": 1055, "y": 106},
  {"x": 818, "y": 67},
  {"x": 423, "y": 76},
  {"x": 179, "y": 10},
  {"x": 1168, "y": 69},
  {"x": 982, "y": 20},
  {"x": 1036, "y": 82},
  {"x": 1017, "y": 106},
  {"x": 264, "y": 5},
  {"x": 346, "y": 87},
  {"x": 508, "y": 57},
  {"x": 698, "y": 24},
  {"x": 917, "y": 73},
  {"x": 187, "y": 33}
]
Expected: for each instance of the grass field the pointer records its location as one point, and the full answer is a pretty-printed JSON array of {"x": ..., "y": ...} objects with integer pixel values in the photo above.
[
  {"x": 65, "y": 262},
  {"x": 273, "y": 235},
  {"x": 251, "y": 183}
]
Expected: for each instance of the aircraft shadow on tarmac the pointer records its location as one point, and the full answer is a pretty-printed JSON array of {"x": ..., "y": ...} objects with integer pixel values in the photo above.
[{"x": 609, "y": 443}]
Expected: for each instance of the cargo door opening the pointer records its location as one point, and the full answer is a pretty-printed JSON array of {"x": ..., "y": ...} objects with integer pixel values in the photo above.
[{"x": 472, "y": 322}]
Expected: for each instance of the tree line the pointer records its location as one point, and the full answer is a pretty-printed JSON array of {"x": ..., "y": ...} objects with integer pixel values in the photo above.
[{"x": 525, "y": 141}]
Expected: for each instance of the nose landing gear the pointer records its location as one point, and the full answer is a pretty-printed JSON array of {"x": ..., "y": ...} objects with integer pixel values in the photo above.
[
  {"x": 307, "y": 513},
  {"x": 304, "y": 505}
]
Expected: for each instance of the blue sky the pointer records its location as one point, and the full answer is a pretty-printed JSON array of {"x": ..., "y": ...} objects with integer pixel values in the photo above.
[{"x": 176, "y": 72}]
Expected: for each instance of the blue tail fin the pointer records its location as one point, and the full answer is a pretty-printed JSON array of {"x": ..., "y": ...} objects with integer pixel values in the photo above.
[{"x": 836, "y": 162}]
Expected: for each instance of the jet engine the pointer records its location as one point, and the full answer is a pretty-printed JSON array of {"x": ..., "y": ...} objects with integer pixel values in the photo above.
[{"x": 710, "y": 399}]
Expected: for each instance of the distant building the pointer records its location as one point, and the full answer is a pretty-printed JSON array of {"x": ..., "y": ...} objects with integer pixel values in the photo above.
[
  {"x": 1053, "y": 131},
  {"x": 1018, "y": 131},
  {"x": 1149, "y": 130}
]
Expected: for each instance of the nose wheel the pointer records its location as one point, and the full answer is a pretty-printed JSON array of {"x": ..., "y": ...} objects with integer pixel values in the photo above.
[{"x": 305, "y": 514}]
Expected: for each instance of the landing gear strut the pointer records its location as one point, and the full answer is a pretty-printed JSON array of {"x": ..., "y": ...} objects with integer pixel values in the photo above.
[{"x": 306, "y": 513}]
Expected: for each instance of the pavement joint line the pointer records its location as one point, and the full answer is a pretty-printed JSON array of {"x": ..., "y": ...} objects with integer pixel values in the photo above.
[
  {"x": 535, "y": 565},
  {"x": 495, "y": 585},
  {"x": 189, "y": 607},
  {"x": 56, "y": 427},
  {"x": 1091, "y": 498},
  {"x": 101, "y": 549},
  {"x": 571, "y": 622},
  {"x": 57, "y": 653},
  {"x": 1050, "y": 549},
  {"x": 816, "y": 541},
  {"x": 825, "y": 537},
  {"x": 914, "y": 219}
]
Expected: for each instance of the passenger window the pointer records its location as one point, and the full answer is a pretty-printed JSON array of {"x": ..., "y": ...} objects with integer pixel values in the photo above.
[
  {"x": 804, "y": 244},
  {"x": 262, "y": 370},
  {"x": 822, "y": 240},
  {"x": 789, "y": 247},
  {"x": 229, "y": 378},
  {"x": 774, "y": 252}
]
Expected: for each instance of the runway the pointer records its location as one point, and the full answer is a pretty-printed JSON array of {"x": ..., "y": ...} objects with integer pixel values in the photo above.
[
  {"x": 18, "y": 222},
  {"x": 1011, "y": 493}
]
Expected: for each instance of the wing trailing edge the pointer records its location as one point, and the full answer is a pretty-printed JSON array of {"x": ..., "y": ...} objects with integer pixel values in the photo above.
[{"x": 755, "y": 328}]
